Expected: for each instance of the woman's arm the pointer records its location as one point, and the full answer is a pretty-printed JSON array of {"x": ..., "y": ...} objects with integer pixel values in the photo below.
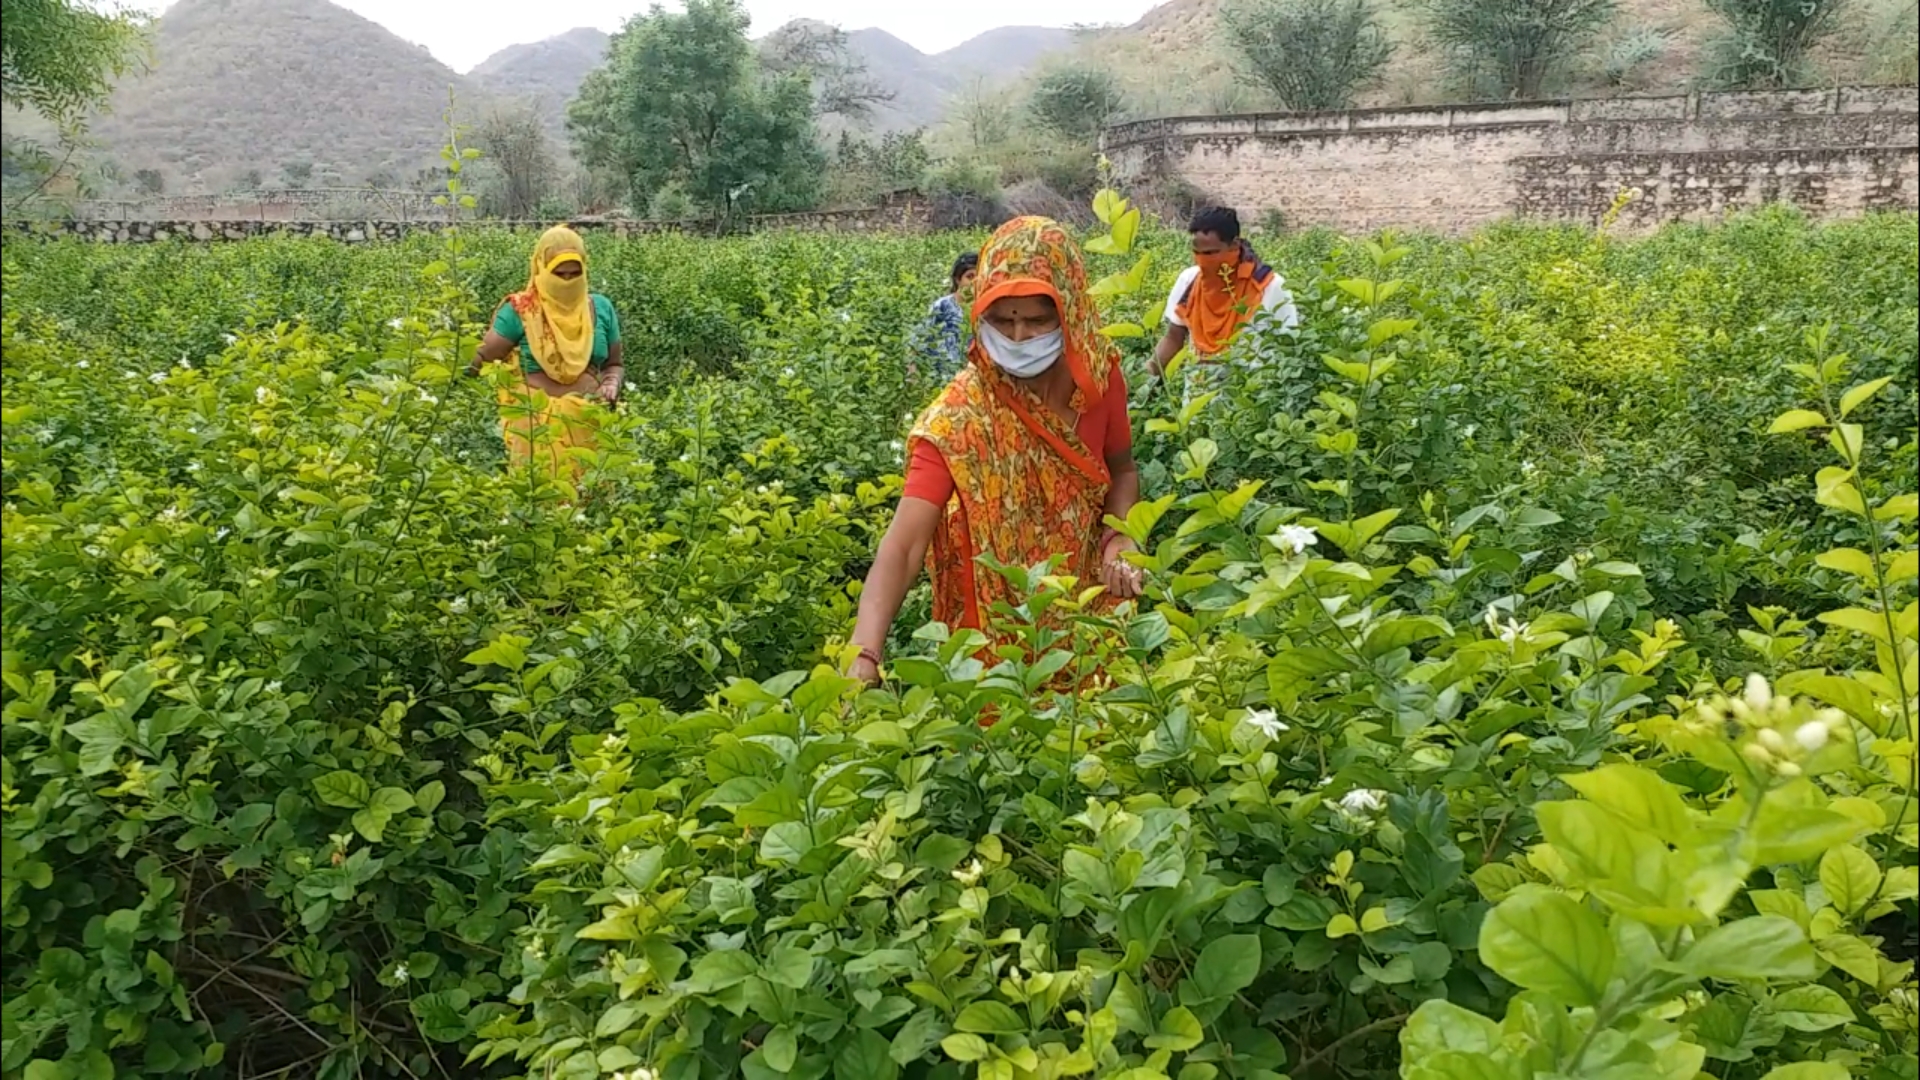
[
  {"x": 613, "y": 373},
  {"x": 895, "y": 567},
  {"x": 1121, "y": 578},
  {"x": 1170, "y": 345},
  {"x": 493, "y": 348}
]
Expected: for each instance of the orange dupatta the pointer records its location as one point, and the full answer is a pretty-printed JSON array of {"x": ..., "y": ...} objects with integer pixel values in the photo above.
[
  {"x": 1026, "y": 488},
  {"x": 1223, "y": 297}
]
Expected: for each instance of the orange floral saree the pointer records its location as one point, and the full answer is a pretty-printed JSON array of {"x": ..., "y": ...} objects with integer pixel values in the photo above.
[{"x": 1026, "y": 487}]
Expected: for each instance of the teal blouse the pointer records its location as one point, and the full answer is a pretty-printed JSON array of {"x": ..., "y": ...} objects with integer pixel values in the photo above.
[{"x": 606, "y": 332}]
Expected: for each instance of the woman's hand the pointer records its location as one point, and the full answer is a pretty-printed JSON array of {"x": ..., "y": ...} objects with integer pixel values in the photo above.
[
  {"x": 866, "y": 667},
  {"x": 1121, "y": 577},
  {"x": 610, "y": 383}
]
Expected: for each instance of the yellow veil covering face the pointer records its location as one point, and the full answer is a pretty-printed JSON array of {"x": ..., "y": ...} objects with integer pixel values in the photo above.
[{"x": 557, "y": 312}]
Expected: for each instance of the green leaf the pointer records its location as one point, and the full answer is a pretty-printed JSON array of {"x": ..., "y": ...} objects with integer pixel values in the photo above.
[
  {"x": 1226, "y": 966},
  {"x": 1850, "y": 561},
  {"x": 617, "y": 1019},
  {"x": 1851, "y": 955},
  {"x": 1761, "y": 947},
  {"x": 1858, "y": 395},
  {"x": 788, "y": 966},
  {"x": 430, "y": 796},
  {"x": 780, "y": 1050},
  {"x": 442, "y": 1014},
  {"x": 965, "y": 1047},
  {"x": 989, "y": 1018},
  {"x": 1859, "y": 620},
  {"x": 786, "y": 842},
  {"x": 921, "y": 1033},
  {"x": 1342, "y": 925},
  {"x": 1438, "y": 1026},
  {"x": 389, "y": 802},
  {"x": 343, "y": 789},
  {"x": 863, "y": 1055},
  {"x": 1796, "y": 420},
  {"x": 506, "y": 651},
  {"x": 1179, "y": 1032},
  {"x": 717, "y": 971},
  {"x": 1811, "y": 1008},
  {"x": 1851, "y": 878},
  {"x": 1639, "y": 798},
  {"x": 1541, "y": 940}
]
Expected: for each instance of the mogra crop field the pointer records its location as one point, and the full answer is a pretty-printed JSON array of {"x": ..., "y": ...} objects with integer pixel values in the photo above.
[{"x": 1577, "y": 744}]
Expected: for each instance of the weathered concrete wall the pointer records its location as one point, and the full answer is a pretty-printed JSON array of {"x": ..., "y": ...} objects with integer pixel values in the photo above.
[
  {"x": 1833, "y": 152},
  {"x": 900, "y": 214}
]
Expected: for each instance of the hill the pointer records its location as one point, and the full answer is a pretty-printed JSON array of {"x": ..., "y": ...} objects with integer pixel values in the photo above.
[
  {"x": 246, "y": 90},
  {"x": 545, "y": 74},
  {"x": 548, "y": 73}
]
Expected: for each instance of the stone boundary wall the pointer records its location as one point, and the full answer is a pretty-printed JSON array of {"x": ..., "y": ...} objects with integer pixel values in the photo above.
[
  {"x": 1833, "y": 152},
  {"x": 900, "y": 215}
]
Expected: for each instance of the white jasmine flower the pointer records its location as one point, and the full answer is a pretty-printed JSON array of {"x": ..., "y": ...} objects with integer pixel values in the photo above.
[
  {"x": 969, "y": 874},
  {"x": 1294, "y": 539},
  {"x": 1363, "y": 801},
  {"x": 273, "y": 687},
  {"x": 194, "y": 466},
  {"x": 1758, "y": 694},
  {"x": 221, "y": 533},
  {"x": 1507, "y": 630},
  {"x": 1811, "y": 735},
  {"x": 611, "y": 743},
  {"x": 1266, "y": 722},
  {"x": 170, "y": 514},
  {"x": 787, "y": 371},
  {"x": 262, "y": 395},
  {"x": 400, "y": 973},
  {"x": 394, "y": 323},
  {"x": 429, "y": 398},
  {"x": 458, "y": 605},
  {"x": 183, "y": 365},
  {"x": 83, "y": 365},
  {"x": 229, "y": 338}
]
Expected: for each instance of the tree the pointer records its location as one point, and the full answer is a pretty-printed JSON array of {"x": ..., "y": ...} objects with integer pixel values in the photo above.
[
  {"x": 297, "y": 174},
  {"x": 1512, "y": 47},
  {"x": 514, "y": 142},
  {"x": 682, "y": 98},
  {"x": 985, "y": 114},
  {"x": 60, "y": 57},
  {"x": 149, "y": 181},
  {"x": 1076, "y": 102},
  {"x": 1313, "y": 54},
  {"x": 1768, "y": 42},
  {"x": 821, "y": 54}
]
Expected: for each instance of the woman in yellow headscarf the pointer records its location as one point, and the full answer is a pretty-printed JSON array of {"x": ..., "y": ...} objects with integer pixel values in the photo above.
[{"x": 569, "y": 344}]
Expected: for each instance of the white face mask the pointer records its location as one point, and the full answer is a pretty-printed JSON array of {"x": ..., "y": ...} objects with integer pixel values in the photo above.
[{"x": 1022, "y": 359}]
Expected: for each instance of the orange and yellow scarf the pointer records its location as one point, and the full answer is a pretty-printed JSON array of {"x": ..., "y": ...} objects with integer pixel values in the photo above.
[
  {"x": 1025, "y": 487},
  {"x": 1223, "y": 298},
  {"x": 557, "y": 312}
]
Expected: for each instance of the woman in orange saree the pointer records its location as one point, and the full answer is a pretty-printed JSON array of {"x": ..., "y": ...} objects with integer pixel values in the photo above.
[{"x": 1021, "y": 457}]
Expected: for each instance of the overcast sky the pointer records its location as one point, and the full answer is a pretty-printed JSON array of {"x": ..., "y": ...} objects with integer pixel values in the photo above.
[{"x": 461, "y": 33}]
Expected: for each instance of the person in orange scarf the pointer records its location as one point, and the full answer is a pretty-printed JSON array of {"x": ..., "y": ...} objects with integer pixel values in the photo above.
[
  {"x": 1021, "y": 457},
  {"x": 1216, "y": 297},
  {"x": 570, "y": 350}
]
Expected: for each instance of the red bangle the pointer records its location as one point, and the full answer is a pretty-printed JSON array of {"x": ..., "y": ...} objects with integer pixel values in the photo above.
[
  {"x": 867, "y": 652},
  {"x": 1109, "y": 537}
]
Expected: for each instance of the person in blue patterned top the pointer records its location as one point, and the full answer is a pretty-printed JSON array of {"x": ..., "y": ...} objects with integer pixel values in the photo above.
[{"x": 941, "y": 341}]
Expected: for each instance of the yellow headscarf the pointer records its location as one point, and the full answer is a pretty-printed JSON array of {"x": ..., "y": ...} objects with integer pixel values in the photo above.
[{"x": 556, "y": 312}]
